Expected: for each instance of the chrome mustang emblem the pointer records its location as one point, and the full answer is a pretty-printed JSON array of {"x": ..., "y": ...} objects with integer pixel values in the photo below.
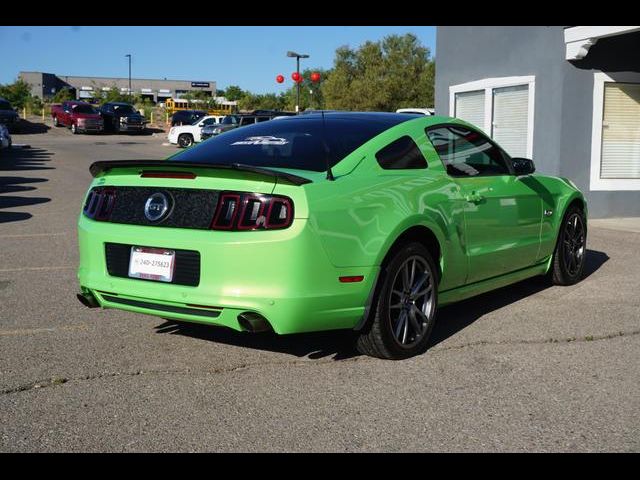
[{"x": 156, "y": 207}]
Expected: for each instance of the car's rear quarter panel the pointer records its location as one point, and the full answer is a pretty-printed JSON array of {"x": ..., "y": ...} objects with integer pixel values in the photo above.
[{"x": 360, "y": 215}]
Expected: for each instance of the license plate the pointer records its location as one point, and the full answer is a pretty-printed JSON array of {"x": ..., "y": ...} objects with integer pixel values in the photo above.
[{"x": 152, "y": 263}]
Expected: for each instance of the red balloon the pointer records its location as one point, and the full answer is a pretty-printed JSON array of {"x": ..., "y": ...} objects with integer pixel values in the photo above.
[
  {"x": 296, "y": 77},
  {"x": 315, "y": 77},
  {"x": 279, "y": 79}
]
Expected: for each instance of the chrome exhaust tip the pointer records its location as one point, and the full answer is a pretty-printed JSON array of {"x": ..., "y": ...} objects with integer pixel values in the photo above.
[
  {"x": 88, "y": 300},
  {"x": 253, "y": 322}
]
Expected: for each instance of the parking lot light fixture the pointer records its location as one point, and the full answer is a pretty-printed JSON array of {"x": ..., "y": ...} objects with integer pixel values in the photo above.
[
  {"x": 297, "y": 56},
  {"x": 129, "y": 55}
]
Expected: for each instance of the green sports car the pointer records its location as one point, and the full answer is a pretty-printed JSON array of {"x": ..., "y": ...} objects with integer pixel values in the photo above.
[{"x": 363, "y": 221}]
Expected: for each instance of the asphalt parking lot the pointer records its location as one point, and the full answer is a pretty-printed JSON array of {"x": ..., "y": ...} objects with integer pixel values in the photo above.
[{"x": 526, "y": 368}]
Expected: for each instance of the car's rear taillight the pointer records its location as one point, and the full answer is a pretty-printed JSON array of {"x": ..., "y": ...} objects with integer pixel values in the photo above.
[
  {"x": 252, "y": 211},
  {"x": 100, "y": 203}
]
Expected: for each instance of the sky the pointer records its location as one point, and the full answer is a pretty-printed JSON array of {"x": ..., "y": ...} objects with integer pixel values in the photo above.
[{"x": 250, "y": 57}]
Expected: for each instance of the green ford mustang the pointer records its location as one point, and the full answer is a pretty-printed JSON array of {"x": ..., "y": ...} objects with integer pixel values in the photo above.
[{"x": 364, "y": 221}]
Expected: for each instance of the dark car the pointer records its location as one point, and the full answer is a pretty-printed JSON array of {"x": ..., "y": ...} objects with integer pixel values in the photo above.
[
  {"x": 8, "y": 116},
  {"x": 121, "y": 117},
  {"x": 234, "y": 121},
  {"x": 186, "y": 117}
]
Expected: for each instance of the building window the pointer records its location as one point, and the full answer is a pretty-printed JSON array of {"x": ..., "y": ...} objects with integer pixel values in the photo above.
[
  {"x": 470, "y": 107},
  {"x": 500, "y": 107},
  {"x": 615, "y": 146},
  {"x": 621, "y": 131}
]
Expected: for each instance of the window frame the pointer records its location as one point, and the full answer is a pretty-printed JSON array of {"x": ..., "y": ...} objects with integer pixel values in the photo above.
[
  {"x": 507, "y": 157},
  {"x": 595, "y": 182},
  {"x": 490, "y": 84}
]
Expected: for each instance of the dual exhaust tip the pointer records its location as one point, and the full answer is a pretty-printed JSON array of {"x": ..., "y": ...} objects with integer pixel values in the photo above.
[
  {"x": 88, "y": 300},
  {"x": 249, "y": 321},
  {"x": 253, "y": 322}
]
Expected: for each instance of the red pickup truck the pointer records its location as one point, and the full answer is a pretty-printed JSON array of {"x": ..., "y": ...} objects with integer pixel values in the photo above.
[{"x": 79, "y": 116}]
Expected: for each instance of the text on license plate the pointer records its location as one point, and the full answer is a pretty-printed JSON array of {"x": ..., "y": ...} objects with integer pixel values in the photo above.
[{"x": 152, "y": 263}]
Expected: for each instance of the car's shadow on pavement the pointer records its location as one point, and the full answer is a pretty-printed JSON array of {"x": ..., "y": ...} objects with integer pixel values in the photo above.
[
  {"x": 340, "y": 344},
  {"x": 20, "y": 160},
  {"x": 28, "y": 127},
  {"x": 455, "y": 317}
]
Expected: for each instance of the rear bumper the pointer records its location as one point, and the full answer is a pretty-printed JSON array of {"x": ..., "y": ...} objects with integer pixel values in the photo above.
[{"x": 282, "y": 275}]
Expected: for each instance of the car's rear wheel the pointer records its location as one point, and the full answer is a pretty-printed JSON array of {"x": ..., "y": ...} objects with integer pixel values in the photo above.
[
  {"x": 404, "y": 306},
  {"x": 185, "y": 140},
  {"x": 570, "y": 254}
]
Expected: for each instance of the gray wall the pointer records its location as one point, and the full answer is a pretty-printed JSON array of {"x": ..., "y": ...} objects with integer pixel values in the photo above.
[{"x": 563, "y": 93}]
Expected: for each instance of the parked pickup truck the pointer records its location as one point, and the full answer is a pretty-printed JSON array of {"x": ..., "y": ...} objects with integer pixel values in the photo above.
[
  {"x": 121, "y": 117},
  {"x": 78, "y": 116}
]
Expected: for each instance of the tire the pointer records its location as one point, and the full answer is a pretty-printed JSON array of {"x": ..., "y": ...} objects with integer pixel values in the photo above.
[
  {"x": 395, "y": 336},
  {"x": 55, "y": 122},
  {"x": 74, "y": 128},
  {"x": 185, "y": 140},
  {"x": 567, "y": 266},
  {"x": 116, "y": 126}
]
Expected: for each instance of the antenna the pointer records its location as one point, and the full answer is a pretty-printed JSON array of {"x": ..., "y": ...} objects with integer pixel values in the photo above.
[{"x": 326, "y": 150}]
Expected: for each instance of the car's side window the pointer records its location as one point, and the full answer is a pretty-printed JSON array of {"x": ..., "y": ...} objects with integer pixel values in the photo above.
[
  {"x": 401, "y": 154},
  {"x": 467, "y": 153}
]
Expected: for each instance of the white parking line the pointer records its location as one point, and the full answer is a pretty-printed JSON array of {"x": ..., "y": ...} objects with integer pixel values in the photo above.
[
  {"x": 26, "y": 235},
  {"x": 23, "y": 269},
  {"x": 29, "y": 331}
]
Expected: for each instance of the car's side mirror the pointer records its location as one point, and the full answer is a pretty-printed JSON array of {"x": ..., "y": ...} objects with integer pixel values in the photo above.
[{"x": 523, "y": 166}]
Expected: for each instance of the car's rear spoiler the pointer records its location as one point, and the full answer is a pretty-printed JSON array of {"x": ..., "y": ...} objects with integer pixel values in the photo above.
[{"x": 105, "y": 165}]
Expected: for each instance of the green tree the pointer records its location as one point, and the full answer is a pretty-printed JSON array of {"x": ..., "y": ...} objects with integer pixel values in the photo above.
[
  {"x": 385, "y": 75},
  {"x": 311, "y": 94},
  {"x": 18, "y": 93},
  {"x": 234, "y": 92},
  {"x": 201, "y": 97},
  {"x": 266, "y": 101},
  {"x": 115, "y": 95},
  {"x": 63, "y": 95}
]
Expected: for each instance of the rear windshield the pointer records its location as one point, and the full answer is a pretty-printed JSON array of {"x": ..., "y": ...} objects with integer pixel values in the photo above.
[
  {"x": 125, "y": 109},
  {"x": 4, "y": 105},
  {"x": 297, "y": 143},
  {"x": 84, "y": 109}
]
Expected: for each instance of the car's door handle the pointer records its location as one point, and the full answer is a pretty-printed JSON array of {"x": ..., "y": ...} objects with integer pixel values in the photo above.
[{"x": 474, "y": 198}]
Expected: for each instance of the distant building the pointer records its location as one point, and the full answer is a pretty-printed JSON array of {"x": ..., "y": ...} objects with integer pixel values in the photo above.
[
  {"x": 568, "y": 97},
  {"x": 46, "y": 85}
]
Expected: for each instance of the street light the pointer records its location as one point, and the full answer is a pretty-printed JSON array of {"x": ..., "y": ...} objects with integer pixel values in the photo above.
[
  {"x": 297, "y": 56},
  {"x": 129, "y": 55}
]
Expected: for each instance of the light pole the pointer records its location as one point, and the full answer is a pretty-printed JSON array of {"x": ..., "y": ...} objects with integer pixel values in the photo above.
[
  {"x": 297, "y": 56},
  {"x": 129, "y": 55}
]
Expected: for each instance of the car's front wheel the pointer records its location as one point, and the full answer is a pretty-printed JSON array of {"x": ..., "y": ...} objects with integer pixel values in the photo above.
[
  {"x": 185, "y": 140},
  {"x": 74, "y": 128},
  {"x": 404, "y": 306},
  {"x": 55, "y": 122},
  {"x": 570, "y": 254}
]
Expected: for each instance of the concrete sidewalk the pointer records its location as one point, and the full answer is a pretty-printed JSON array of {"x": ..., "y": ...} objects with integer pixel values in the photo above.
[{"x": 628, "y": 224}]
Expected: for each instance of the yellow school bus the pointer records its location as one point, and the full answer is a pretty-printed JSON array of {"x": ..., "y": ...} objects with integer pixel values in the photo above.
[{"x": 224, "y": 107}]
